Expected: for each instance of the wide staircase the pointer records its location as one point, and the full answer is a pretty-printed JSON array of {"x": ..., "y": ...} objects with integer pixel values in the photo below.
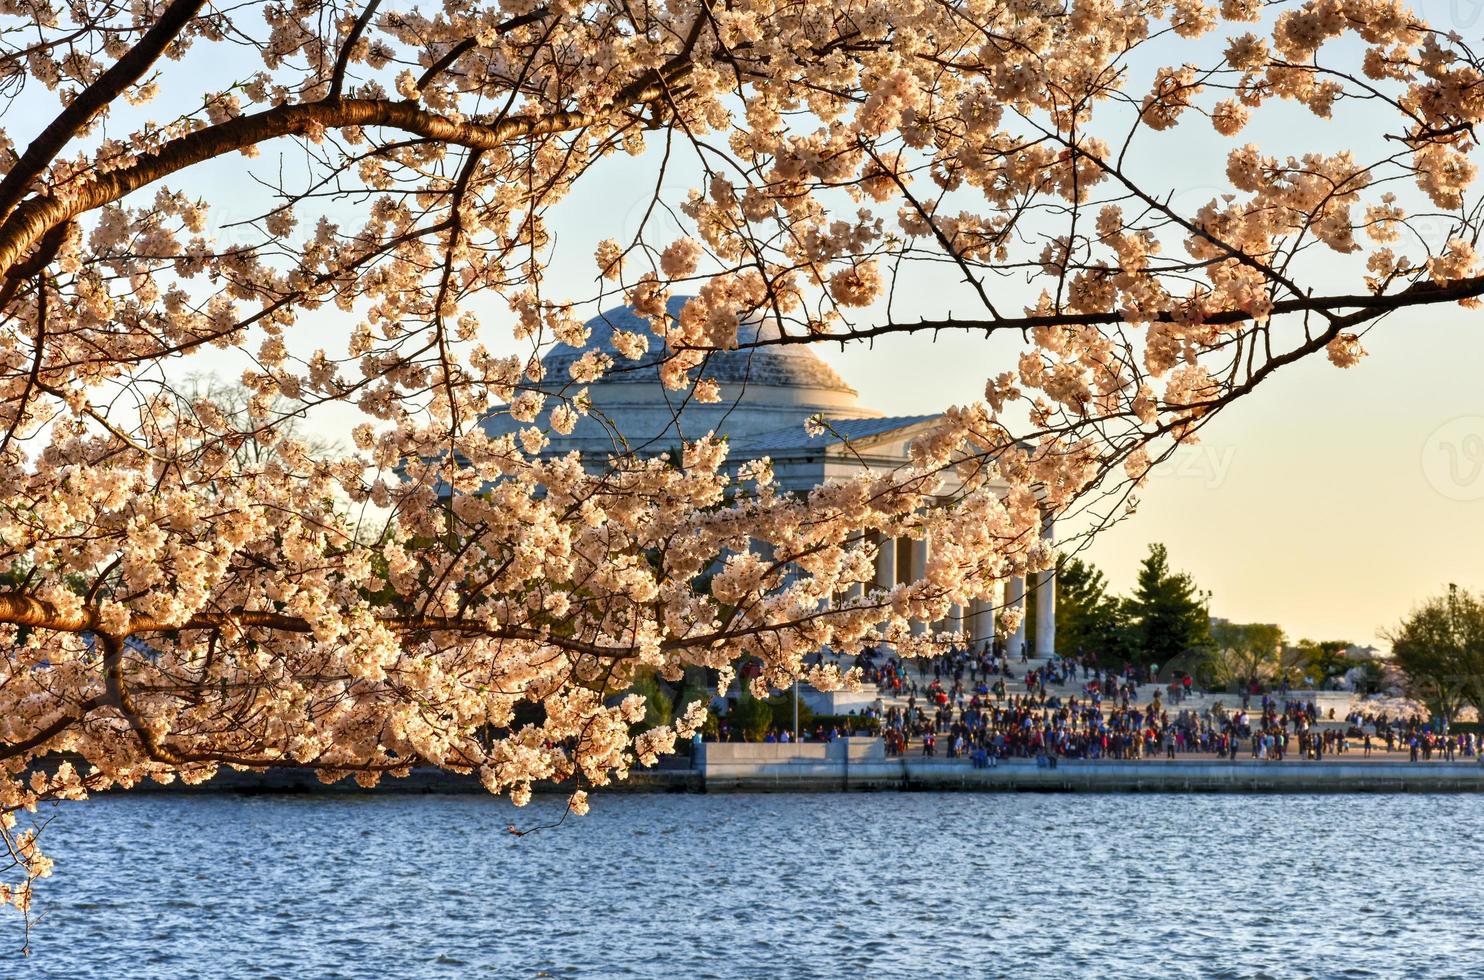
[{"x": 1341, "y": 702}]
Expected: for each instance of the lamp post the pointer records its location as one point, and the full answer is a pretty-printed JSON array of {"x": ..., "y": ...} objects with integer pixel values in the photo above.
[
  {"x": 796, "y": 711},
  {"x": 1455, "y": 639}
]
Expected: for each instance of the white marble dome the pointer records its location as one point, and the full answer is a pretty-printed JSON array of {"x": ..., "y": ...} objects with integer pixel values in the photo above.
[{"x": 763, "y": 390}]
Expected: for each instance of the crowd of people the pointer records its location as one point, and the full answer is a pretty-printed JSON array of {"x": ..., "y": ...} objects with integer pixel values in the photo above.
[
  {"x": 985, "y": 704},
  {"x": 959, "y": 706},
  {"x": 990, "y": 667}
]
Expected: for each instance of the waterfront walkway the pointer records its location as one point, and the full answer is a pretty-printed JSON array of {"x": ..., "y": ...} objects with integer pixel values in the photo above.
[{"x": 861, "y": 764}]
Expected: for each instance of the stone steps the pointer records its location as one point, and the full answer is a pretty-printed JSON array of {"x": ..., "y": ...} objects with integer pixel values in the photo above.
[{"x": 1197, "y": 702}]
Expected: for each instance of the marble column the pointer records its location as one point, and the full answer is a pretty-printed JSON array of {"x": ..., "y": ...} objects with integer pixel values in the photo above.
[
  {"x": 918, "y": 572},
  {"x": 981, "y": 623},
  {"x": 1046, "y": 602},
  {"x": 886, "y": 562},
  {"x": 1015, "y": 599}
]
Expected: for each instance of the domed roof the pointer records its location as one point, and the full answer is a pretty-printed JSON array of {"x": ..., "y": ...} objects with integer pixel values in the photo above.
[
  {"x": 761, "y": 390},
  {"x": 787, "y": 366}
]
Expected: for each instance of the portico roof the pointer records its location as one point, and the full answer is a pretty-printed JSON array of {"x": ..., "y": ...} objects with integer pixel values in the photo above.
[{"x": 795, "y": 439}]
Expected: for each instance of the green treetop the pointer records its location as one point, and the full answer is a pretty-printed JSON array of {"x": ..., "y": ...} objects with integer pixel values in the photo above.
[
  {"x": 1440, "y": 649},
  {"x": 1088, "y": 619},
  {"x": 1167, "y": 612}
]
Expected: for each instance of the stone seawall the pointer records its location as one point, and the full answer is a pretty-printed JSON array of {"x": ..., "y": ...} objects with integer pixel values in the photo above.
[{"x": 859, "y": 764}]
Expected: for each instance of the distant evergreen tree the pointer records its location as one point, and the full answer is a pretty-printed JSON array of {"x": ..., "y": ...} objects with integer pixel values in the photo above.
[
  {"x": 1167, "y": 612},
  {"x": 1088, "y": 619}
]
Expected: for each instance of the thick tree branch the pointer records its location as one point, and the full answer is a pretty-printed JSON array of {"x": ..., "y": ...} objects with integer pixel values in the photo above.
[
  {"x": 337, "y": 80},
  {"x": 1363, "y": 307},
  {"x": 93, "y": 99},
  {"x": 35, "y": 217},
  {"x": 456, "y": 52},
  {"x": 10, "y": 750},
  {"x": 120, "y": 698},
  {"x": 24, "y": 610}
]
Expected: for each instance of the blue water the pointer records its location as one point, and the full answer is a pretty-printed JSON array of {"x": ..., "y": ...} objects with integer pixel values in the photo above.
[{"x": 888, "y": 885}]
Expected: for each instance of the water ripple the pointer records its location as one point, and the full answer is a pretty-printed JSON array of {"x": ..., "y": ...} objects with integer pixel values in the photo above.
[{"x": 890, "y": 885}]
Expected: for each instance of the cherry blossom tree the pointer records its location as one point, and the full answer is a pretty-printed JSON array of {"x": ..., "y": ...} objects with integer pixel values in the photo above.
[{"x": 189, "y": 584}]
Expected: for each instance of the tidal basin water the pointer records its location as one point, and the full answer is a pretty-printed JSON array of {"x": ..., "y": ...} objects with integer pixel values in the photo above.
[{"x": 888, "y": 885}]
